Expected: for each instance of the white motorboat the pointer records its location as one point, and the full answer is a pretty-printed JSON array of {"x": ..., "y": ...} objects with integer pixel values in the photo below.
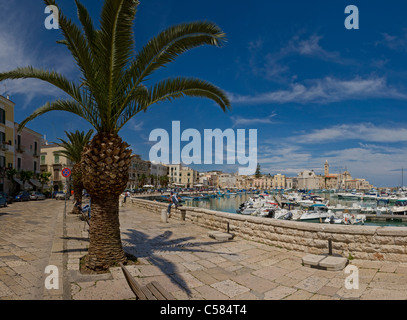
[
  {"x": 347, "y": 219},
  {"x": 400, "y": 207},
  {"x": 316, "y": 213}
]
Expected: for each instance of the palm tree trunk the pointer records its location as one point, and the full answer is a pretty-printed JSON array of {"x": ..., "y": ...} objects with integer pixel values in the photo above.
[
  {"x": 105, "y": 166},
  {"x": 77, "y": 187},
  {"x": 105, "y": 249}
]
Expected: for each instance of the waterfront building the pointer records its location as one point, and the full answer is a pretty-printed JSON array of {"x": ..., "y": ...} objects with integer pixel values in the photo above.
[
  {"x": 291, "y": 182},
  {"x": 265, "y": 182},
  {"x": 279, "y": 181},
  {"x": 210, "y": 178},
  {"x": 308, "y": 180},
  {"x": 174, "y": 171},
  {"x": 156, "y": 171},
  {"x": 188, "y": 177},
  {"x": 241, "y": 182},
  {"x": 342, "y": 180},
  {"x": 139, "y": 172},
  {"x": 51, "y": 161},
  {"x": 226, "y": 180}
]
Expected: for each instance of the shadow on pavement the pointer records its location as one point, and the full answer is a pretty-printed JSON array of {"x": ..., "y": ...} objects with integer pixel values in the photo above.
[{"x": 140, "y": 245}]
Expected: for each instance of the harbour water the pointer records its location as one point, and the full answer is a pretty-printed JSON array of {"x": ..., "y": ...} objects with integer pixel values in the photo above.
[{"x": 230, "y": 203}]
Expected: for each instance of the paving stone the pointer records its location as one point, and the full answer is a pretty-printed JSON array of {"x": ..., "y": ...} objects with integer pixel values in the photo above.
[
  {"x": 279, "y": 293},
  {"x": 230, "y": 288},
  {"x": 312, "y": 283}
]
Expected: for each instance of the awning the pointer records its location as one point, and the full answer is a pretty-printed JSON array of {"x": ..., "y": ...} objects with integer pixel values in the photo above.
[
  {"x": 18, "y": 181},
  {"x": 35, "y": 183},
  {"x": 26, "y": 184}
]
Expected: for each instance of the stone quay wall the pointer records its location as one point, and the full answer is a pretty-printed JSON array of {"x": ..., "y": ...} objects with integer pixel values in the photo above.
[{"x": 360, "y": 242}]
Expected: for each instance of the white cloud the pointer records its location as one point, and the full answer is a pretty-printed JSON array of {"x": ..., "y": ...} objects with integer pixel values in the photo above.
[
  {"x": 135, "y": 126},
  {"x": 19, "y": 47},
  {"x": 326, "y": 90},
  {"x": 273, "y": 66},
  {"x": 240, "y": 121},
  {"x": 362, "y": 132}
]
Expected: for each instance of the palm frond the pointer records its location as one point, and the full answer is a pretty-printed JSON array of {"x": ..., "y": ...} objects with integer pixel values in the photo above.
[
  {"x": 79, "y": 47},
  {"x": 115, "y": 46},
  {"x": 60, "y": 105},
  {"x": 73, "y": 147},
  {"x": 52, "y": 77},
  {"x": 171, "y": 89},
  {"x": 167, "y": 46}
]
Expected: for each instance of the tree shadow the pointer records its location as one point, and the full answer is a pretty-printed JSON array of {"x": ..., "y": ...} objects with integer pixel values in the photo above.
[{"x": 141, "y": 245}]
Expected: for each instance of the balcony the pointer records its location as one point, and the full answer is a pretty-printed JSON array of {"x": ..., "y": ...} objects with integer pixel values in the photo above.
[
  {"x": 4, "y": 146},
  {"x": 20, "y": 148}
]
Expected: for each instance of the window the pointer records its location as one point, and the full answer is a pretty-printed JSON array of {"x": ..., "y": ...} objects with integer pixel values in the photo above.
[
  {"x": 35, "y": 167},
  {"x": 2, "y": 161},
  {"x": 42, "y": 159},
  {"x": 2, "y": 116},
  {"x": 2, "y": 137},
  {"x": 56, "y": 159},
  {"x": 19, "y": 164}
]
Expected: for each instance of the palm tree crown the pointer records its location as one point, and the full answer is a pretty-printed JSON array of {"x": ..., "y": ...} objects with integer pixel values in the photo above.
[
  {"x": 73, "y": 147},
  {"x": 111, "y": 90}
]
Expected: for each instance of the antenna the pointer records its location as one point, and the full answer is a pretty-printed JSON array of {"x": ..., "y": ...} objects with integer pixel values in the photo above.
[{"x": 5, "y": 92}]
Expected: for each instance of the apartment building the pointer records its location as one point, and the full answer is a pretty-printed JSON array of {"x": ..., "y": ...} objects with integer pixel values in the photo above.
[
  {"x": 51, "y": 161},
  {"x": 139, "y": 172},
  {"x": 279, "y": 181}
]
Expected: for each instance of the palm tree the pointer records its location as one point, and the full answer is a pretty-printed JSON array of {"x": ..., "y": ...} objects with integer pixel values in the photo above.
[
  {"x": 43, "y": 178},
  {"x": 72, "y": 150},
  {"x": 11, "y": 173},
  {"x": 112, "y": 90},
  {"x": 25, "y": 176}
]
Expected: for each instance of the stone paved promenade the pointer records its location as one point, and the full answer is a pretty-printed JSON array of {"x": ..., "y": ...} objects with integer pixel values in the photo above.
[{"x": 177, "y": 254}]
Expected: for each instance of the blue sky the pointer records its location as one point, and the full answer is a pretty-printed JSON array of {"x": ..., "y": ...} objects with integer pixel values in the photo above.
[{"x": 314, "y": 90}]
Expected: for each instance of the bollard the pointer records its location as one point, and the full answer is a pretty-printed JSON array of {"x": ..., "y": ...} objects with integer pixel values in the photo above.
[
  {"x": 330, "y": 247},
  {"x": 183, "y": 214},
  {"x": 164, "y": 216},
  {"x": 228, "y": 230}
]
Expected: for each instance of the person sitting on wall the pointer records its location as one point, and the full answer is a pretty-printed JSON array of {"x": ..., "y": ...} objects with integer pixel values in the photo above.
[{"x": 173, "y": 202}]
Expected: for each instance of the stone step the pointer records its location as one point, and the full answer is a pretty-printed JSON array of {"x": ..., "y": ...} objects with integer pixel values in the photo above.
[
  {"x": 218, "y": 235},
  {"x": 325, "y": 262}
]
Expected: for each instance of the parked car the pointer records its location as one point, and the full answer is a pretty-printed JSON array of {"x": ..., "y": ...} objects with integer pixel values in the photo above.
[
  {"x": 9, "y": 198},
  {"x": 3, "y": 201},
  {"x": 35, "y": 195},
  {"x": 60, "y": 195},
  {"x": 22, "y": 196}
]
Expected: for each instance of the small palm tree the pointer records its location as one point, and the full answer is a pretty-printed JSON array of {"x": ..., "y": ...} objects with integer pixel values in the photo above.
[
  {"x": 110, "y": 92},
  {"x": 25, "y": 176},
  {"x": 11, "y": 174},
  {"x": 73, "y": 148}
]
